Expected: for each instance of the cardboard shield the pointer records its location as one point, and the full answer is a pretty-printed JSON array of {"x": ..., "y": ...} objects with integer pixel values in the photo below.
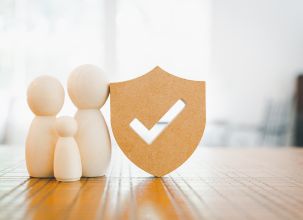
[{"x": 146, "y": 99}]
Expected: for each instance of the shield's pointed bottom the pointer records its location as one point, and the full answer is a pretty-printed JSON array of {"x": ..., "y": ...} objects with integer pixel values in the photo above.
[{"x": 159, "y": 174}]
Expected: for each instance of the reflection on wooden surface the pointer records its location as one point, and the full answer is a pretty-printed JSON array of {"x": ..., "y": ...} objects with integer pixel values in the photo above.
[
  {"x": 153, "y": 201},
  {"x": 213, "y": 184}
]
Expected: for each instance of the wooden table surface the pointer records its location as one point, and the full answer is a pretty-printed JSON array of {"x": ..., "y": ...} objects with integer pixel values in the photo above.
[{"x": 216, "y": 183}]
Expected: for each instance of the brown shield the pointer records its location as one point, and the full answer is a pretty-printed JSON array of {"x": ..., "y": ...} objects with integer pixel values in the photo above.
[{"x": 148, "y": 98}]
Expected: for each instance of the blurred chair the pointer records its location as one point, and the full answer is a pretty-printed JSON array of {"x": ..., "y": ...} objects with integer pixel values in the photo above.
[
  {"x": 298, "y": 137},
  {"x": 277, "y": 128},
  {"x": 3, "y": 116},
  {"x": 18, "y": 119}
]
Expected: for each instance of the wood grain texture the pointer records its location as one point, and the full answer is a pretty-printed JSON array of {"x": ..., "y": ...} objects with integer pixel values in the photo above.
[{"x": 216, "y": 183}]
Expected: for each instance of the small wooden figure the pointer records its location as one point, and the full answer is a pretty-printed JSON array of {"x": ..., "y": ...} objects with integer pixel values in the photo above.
[
  {"x": 89, "y": 89},
  {"x": 45, "y": 97},
  {"x": 145, "y": 101},
  {"x": 67, "y": 161}
]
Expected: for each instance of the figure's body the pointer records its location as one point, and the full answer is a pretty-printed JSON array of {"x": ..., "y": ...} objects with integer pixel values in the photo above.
[
  {"x": 45, "y": 97},
  {"x": 93, "y": 137},
  {"x": 67, "y": 161},
  {"x": 88, "y": 89}
]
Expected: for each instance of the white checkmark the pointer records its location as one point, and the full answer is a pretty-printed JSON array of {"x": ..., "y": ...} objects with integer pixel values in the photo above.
[{"x": 149, "y": 135}]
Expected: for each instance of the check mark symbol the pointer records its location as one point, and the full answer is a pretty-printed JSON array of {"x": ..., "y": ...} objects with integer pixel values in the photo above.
[{"x": 149, "y": 135}]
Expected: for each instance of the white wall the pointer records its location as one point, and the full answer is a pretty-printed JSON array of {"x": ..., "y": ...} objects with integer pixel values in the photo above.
[
  {"x": 172, "y": 34},
  {"x": 257, "y": 50},
  {"x": 248, "y": 51}
]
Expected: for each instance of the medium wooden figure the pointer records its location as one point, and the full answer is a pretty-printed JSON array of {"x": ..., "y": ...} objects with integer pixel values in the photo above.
[
  {"x": 89, "y": 89},
  {"x": 45, "y": 97},
  {"x": 138, "y": 105},
  {"x": 67, "y": 161}
]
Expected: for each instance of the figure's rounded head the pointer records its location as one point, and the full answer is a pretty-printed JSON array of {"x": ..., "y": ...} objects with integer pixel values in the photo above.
[
  {"x": 88, "y": 87},
  {"x": 66, "y": 126},
  {"x": 45, "y": 96}
]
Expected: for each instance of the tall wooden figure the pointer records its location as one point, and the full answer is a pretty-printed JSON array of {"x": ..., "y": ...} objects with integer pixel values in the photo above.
[
  {"x": 88, "y": 89},
  {"x": 45, "y": 97}
]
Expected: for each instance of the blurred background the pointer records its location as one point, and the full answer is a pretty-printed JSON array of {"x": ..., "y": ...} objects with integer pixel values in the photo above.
[{"x": 249, "y": 52}]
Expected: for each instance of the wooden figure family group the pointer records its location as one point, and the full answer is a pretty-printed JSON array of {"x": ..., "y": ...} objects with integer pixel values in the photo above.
[
  {"x": 68, "y": 147},
  {"x": 71, "y": 147}
]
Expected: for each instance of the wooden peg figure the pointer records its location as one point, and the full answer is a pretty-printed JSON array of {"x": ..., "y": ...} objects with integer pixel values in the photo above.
[
  {"x": 67, "y": 161},
  {"x": 45, "y": 97},
  {"x": 89, "y": 89}
]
